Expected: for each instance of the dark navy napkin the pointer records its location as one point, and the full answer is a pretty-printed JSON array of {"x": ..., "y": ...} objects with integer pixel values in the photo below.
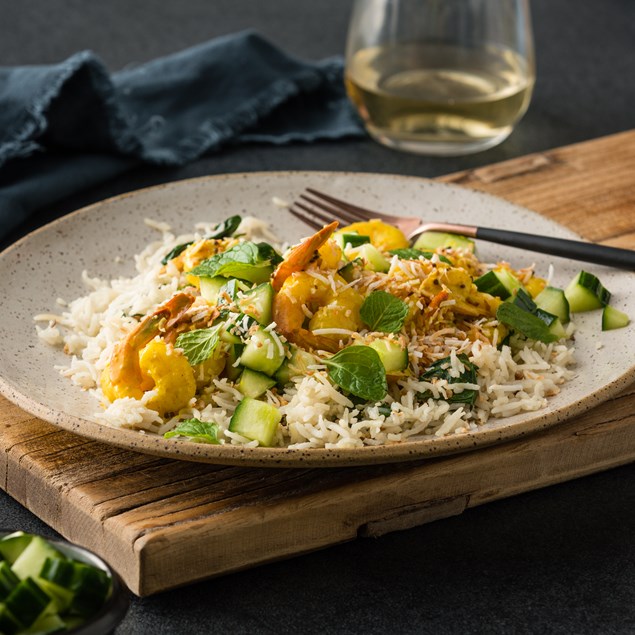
[{"x": 68, "y": 126}]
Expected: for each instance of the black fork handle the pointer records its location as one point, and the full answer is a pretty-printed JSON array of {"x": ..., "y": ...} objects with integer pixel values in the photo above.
[{"x": 574, "y": 249}]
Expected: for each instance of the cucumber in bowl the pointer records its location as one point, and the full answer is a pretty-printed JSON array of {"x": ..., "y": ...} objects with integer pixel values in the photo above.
[{"x": 53, "y": 586}]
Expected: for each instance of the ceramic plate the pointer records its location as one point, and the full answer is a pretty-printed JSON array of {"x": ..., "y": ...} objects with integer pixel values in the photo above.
[{"x": 47, "y": 264}]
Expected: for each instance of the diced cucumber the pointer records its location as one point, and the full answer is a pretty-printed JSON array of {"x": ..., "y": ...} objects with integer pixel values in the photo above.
[
  {"x": 27, "y": 602},
  {"x": 256, "y": 420},
  {"x": 229, "y": 291},
  {"x": 585, "y": 293},
  {"x": 258, "y": 303},
  {"x": 557, "y": 328},
  {"x": 262, "y": 353},
  {"x": 8, "y": 580},
  {"x": 47, "y": 623},
  {"x": 91, "y": 587},
  {"x": 501, "y": 283},
  {"x": 612, "y": 318},
  {"x": 353, "y": 239},
  {"x": 526, "y": 303},
  {"x": 57, "y": 570},
  {"x": 392, "y": 354},
  {"x": 227, "y": 336},
  {"x": 554, "y": 301},
  {"x": 210, "y": 288},
  {"x": 232, "y": 369},
  {"x": 61, "y": 596},
  {"x": 32, "y": 559},
  {"x": 254, "y": 384},
  {"x": 13, "y": 545},
  {"x": 351, "y": 270},
  {"x": 371, "y": 256},
  {"x": 433, "y": 240},
  {"x": 410, "y": 253},
  {"x": 8, "y": 624},
  {"x": 298, "y": 364},
  {"x": 45, "y": 592}
]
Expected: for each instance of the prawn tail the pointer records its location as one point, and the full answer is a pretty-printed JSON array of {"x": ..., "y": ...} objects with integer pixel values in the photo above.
[
  {"x": 124, "y": 364},
  {"x": 300, "y": 256}
]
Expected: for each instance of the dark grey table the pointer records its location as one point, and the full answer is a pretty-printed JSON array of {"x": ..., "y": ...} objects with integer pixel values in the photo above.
[{"x": 559, "y": 560}]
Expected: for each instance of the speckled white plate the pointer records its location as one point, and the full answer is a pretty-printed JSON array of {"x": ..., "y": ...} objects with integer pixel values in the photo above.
[{"x": 47, "y": 264}]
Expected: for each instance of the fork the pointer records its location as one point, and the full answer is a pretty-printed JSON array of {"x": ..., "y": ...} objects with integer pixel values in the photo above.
[{"x": 316, "y": 208}]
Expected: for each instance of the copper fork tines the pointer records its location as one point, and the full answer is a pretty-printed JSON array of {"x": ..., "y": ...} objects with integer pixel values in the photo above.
[{"x": 316, "y": 208}]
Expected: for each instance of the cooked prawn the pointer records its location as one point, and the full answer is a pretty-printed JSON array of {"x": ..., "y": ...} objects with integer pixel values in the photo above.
[
  {"x": 301, "y": 255},
  {"x": 305, "y": 297},
  {"x": 123, "y": 369}
]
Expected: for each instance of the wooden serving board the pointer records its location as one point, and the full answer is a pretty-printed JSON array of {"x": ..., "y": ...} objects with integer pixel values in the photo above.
[{"x": 163, "y": 523}]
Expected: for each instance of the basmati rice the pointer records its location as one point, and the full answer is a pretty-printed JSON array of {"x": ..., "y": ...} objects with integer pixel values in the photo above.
[{"x": 315, "y": 414}]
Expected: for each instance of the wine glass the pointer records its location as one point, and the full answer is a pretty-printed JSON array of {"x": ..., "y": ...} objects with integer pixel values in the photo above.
[{"x": 440, "y": 77}]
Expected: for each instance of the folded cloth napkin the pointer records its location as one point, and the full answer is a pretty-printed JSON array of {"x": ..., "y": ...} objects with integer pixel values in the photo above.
[{"x": 67, "y": 126}]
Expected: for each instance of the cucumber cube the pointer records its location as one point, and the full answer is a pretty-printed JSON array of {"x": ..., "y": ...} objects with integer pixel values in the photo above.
[
  {"x": 372, "y": 257},
  {"x": 27, "y": 602},
  {"x": 258, "y": 303},
  {"x": 499, "y": 282},
  {"x": 554, "y": 301},
  {"x": 612, "y": 318},
  {"x": 13, "y": 545},
  {"x": 8, "y": 624},
  {"x": 254, "y": 384},
  {"x": 262, "y": 353},
  {"x": 585, "y": 293},
  {"x": 256, "y": 420},
  {"x": 210, "y": 288},
  {"x": 8, "y": 580},
  {"x": 433, "y": 240},
  {"x": 392, "y": 354},
  {"x": 32, "y": 559}
]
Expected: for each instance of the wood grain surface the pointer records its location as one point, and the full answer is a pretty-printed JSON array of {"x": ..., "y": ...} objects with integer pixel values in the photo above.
[{"x": 163, "y": 523}]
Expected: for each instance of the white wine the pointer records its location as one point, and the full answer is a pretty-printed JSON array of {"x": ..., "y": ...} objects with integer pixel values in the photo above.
[{"x": 439, "y": 98}]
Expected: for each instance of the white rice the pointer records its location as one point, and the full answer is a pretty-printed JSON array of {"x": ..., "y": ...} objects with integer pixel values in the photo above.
[{"x": 315, "y": 413}]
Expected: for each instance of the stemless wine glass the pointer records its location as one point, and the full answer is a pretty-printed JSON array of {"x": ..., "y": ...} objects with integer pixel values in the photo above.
[{"x": 440, "y": 77}]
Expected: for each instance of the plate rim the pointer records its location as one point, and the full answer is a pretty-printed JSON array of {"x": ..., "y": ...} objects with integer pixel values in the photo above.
[{"x": 228, "y": 454}]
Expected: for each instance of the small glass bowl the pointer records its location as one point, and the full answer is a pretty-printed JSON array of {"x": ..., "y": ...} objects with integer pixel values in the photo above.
[{"x": 116, "y": 606}]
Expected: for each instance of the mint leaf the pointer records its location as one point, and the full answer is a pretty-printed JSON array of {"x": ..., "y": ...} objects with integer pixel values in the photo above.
[
  {"x": 383, "y": 312},
  {"x": 358, "y": 370},
  {"x": 246, "y": 261},
  {"x": 525, "y": 323},
  {"x": 199, "y": 345},
  {"x": 226, "y": 228},
  {"x": 410, "y": 253},
  {"x": 195, "y": 429},
  {"x": 441, "y": 370}
]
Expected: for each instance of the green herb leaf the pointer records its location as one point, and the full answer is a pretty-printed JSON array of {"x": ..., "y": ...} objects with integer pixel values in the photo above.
[
  {"x": 441, "y": 370},
  {"x": 195, "y": 429},
  {"x": 410, "y": 253},
  {"x": 226, "y": 228},
  {"x": 175, "y": 252},
  {"x": 525, "y": 323},
  {"x": 199, "y": 345},
  {"x": 383, "y": 312},
  {"x": 249, "y": 261},
  {"x": 358, "y": 370}
]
